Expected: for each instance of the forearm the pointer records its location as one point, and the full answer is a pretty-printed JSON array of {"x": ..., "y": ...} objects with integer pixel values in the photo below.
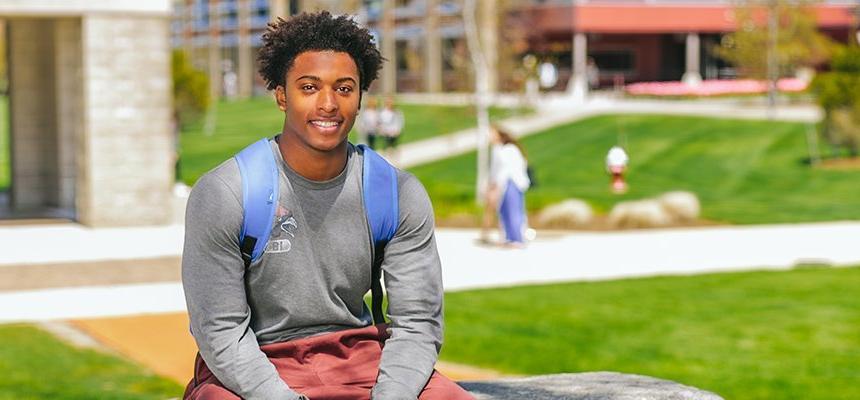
[
  {"x": 413, "y": 280},
  {"x": 408, "y": 360},
  {"x": 241, "y": 366}
]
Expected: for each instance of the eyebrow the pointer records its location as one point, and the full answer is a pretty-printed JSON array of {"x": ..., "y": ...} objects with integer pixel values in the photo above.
[{"x": 316, "y": 78}]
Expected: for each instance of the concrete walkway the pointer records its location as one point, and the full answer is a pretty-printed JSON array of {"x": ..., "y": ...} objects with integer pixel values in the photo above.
[
  {"x": 552, "y": 257},
  {"x": 146, "y": 321},
  {"x": 558, "y": 110}
]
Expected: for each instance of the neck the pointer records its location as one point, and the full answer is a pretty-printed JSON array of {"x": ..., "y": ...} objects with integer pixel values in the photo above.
[{"x": 310, "y": 163}]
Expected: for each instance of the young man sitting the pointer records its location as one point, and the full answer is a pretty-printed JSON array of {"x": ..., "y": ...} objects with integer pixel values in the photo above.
[{"x": 292, "y": 323}]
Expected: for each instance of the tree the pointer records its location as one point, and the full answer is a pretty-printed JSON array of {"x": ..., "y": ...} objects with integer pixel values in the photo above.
[
  {"x": 190, "y": 89},
  {"x": 838, "y": 93},
  {"x": 482, "y": 88},
  {"x": 798, "y": 43}
]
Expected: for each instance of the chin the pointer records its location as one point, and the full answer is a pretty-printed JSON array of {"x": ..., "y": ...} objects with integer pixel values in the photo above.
[{"x": 326, "y": 144}]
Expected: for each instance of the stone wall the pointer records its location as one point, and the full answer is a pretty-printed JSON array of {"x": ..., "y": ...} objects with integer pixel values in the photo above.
[
  {"x": 91, "y": 112},
  {"x": 69, "y": 107},
  {"x": 126, "y": 151},
  {"x": 585, "y": 386}
]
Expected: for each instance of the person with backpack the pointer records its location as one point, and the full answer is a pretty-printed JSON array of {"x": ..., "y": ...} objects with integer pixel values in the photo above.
[
  {"x": 284, "y": 240},
  {"x": 391, "y": 124}
]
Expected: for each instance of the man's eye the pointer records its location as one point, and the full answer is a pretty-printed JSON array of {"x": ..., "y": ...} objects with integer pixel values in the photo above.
[
  {"x": 345, "y": 89},
  {"x": 308, "y": 87}
]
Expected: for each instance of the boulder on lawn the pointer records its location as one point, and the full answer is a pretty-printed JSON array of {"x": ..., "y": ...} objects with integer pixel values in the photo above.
[
  {"x": 570, "y": 213},
  {"x": 681, "y": 206},
  {"x": 647, "y": 213}
]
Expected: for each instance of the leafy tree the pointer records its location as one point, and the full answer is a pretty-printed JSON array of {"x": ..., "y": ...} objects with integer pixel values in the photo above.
[
  {"x": 798, "y": 41},
  {"x": 190, "y": 89},
  {"x": 838, "y": 93}
]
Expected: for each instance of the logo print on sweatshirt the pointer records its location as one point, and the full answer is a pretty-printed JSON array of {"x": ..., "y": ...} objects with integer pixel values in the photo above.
[{"x": 284, "y": 229}]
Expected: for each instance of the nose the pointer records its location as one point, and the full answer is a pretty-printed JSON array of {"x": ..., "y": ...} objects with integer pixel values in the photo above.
[{"x": 327, "y": 101}]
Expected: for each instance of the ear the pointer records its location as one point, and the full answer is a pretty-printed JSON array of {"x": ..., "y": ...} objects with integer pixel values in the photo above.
[{"x": 281, "y": 97}]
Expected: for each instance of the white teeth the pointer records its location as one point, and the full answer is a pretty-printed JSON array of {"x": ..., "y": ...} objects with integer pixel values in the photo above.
[{"x": 325, "y": 124}]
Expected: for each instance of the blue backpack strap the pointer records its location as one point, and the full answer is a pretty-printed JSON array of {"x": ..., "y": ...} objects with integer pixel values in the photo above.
[
  {"x": 380, "y": 196},
  {"x": 381, "y": 204},
  {"x": 259, "y": 172}
]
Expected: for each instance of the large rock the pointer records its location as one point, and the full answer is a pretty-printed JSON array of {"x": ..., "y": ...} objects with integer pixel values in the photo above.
[
  {"x": 647, "y": 213},
  {"x": 681, "y": 206},
  {"x": 571, "y": 213},
  {"x": 672, "y": 208},
  {"x": 585, "y": 386}
]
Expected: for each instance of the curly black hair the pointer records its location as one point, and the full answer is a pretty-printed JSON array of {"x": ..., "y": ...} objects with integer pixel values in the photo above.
[{"x": 284, "y": 40}]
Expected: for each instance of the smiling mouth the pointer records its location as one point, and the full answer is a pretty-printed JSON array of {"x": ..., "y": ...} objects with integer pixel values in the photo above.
[{"x": 326, "y": 124}]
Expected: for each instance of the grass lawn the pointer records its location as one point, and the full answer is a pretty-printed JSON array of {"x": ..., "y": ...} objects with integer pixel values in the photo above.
[
  {"x": 744, "y": 172},
  {"x": 752, "y": 335},
  {"x": 35, "y": 365},
  {"x": 755, "y": 335},
  {"x": 240, "y": 123}
]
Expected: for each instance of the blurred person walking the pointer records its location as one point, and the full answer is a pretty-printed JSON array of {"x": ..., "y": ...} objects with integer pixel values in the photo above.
[
  {"x": 616, "y": 165},
  {"x": 592, "y": 74},
  {"x": 368, "y": 123},
  {"x": 507, "y": 186},
  {"x": 391, "y": 122}
]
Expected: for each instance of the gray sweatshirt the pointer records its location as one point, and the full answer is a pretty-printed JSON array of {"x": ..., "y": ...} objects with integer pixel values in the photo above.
[{"x": 311, "y": 280}]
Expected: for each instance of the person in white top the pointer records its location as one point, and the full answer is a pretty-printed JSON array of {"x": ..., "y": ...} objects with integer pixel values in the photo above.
[
  {"x": 368, "y": 122},
  {"x": 391, "y": 123},
  {"x": 616, "y": 164},
  {"x": 507, "y": 185},
  {"x": 548, "y": 75}
]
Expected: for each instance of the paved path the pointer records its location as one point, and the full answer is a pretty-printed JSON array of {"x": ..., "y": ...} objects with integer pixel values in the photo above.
[
  {"x": 552, "y": 257},
  {"x": 554, "y": 111}
]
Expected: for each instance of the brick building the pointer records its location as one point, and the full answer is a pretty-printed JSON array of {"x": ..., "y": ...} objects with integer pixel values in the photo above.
[
  {"x": 650, "y": 40},
  {"x": 630, "y": 40}
]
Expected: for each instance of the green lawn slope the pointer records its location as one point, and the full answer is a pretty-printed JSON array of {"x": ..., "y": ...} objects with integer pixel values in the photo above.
[
  {"x": 753, "y": 335},
  {"x": 744, "y": 172}
]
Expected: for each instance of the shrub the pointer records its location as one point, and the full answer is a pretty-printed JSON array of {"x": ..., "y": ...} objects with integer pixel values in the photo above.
[
  {"x": 838, "y": 93},
  {"x": 190, "y": 89}
]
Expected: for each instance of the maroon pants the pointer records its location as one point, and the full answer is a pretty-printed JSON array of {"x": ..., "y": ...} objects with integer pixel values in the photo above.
[{"x": 340, "y": 365}]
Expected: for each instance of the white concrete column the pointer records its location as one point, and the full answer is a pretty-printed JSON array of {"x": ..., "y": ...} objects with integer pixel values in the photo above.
[
  {"x": 245, "y": 70},
  {"x": 389, "y": 48},
  {"x": 489, "y": 27},
  {"x": 215, "y": 70},
  {"x": 279, "y": 8},
  {"x": 692, "y": 76},
  {"x": 188, "y": 27},
  {"x": 577, "y": 87},
  {"x": 432, "y": 49}
]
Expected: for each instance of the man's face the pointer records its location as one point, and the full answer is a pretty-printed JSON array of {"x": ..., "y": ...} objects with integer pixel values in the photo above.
[{"x": 320, "y": 97}]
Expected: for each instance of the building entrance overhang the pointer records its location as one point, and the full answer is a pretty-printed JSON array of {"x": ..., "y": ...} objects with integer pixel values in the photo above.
[{"x": 682, "y": 19}]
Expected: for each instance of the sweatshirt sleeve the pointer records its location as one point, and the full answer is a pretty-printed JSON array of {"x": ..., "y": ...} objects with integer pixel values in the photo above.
[
  {"x": 213, "y": 279},
  {"x": 413, "y": 281}
]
